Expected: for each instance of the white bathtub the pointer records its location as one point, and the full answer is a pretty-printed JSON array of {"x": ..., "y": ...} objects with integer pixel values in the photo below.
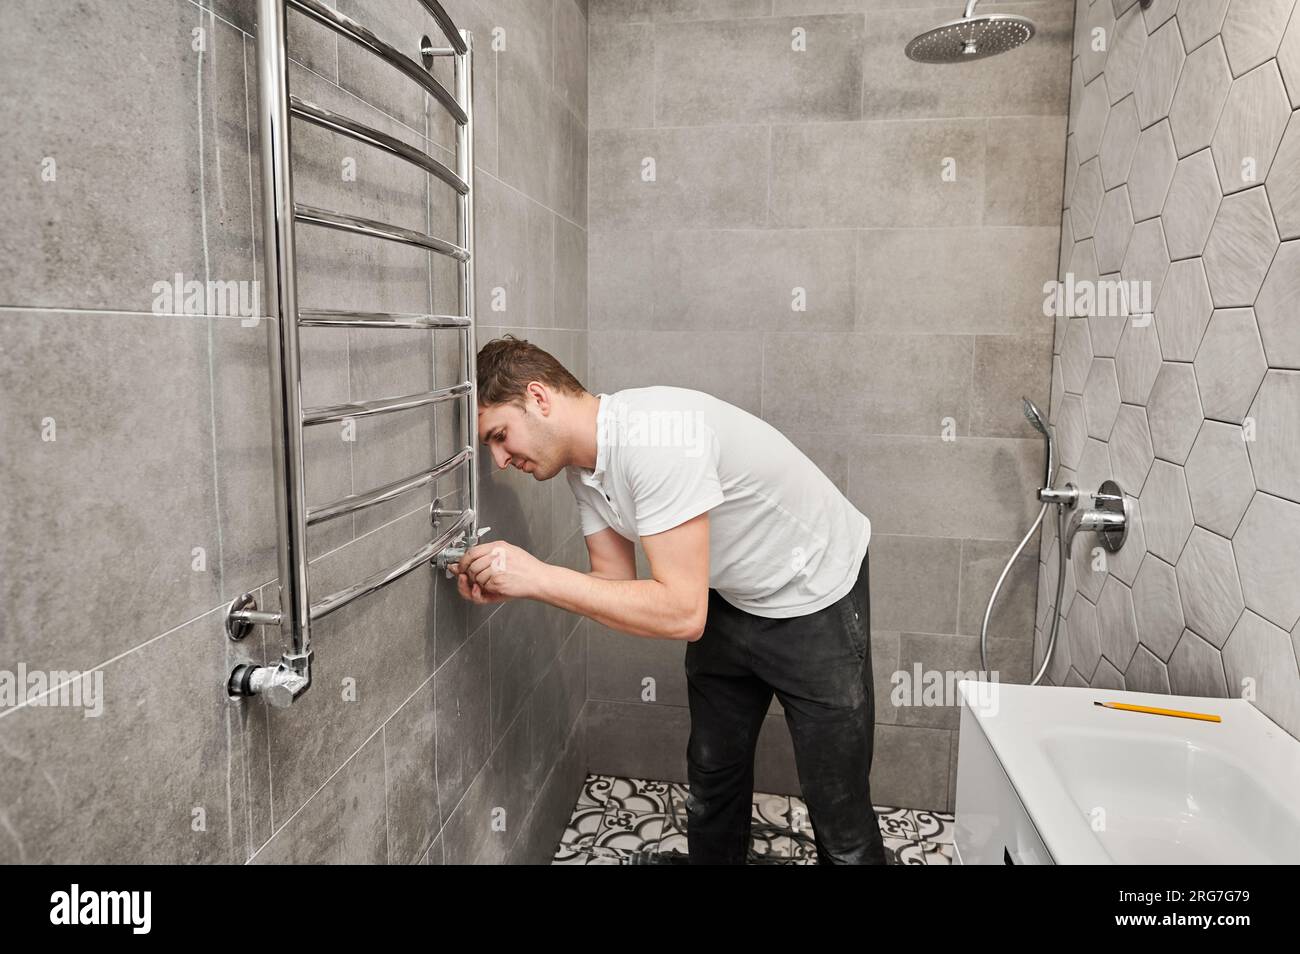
[{"x": 1046, "y": 777}]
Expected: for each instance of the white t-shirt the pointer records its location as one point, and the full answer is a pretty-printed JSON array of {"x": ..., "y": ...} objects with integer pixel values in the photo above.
[{"x": 783, "y": 540}]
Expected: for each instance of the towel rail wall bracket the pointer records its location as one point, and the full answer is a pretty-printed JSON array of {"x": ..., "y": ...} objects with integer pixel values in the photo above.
[{"x": 453, "y": 530}]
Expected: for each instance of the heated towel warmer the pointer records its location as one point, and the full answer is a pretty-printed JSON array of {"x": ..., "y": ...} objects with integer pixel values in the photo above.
[{"x": 280, "y": 685}]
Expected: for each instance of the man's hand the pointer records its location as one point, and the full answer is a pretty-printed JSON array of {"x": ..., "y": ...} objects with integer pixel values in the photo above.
[{"x": 497, "y": 571}]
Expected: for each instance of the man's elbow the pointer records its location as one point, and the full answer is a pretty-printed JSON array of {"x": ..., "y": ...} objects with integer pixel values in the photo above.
[{"x": 691, "y": 626}]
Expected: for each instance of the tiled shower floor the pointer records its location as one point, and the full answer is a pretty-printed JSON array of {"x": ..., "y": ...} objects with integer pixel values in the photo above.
[{"x": 617, "y": 817}]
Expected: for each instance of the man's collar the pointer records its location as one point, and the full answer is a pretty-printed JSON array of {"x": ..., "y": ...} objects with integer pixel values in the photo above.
[{"x": 602, "y": 444}]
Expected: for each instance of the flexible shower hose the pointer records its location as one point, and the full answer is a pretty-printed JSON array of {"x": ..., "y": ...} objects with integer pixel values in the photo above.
[{"x": 1056, "y": 604}]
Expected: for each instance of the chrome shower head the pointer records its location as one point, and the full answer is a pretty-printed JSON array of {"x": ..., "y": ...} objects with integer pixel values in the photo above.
[
  {"x": 1035, "y": 417},
  {"x": 971, "y": 37}
]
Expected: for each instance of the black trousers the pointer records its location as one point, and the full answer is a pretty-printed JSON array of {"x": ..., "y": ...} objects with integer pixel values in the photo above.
[{"x": 819, "y": 666}]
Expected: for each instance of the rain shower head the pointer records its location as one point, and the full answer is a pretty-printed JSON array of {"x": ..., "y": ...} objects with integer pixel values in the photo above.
[{"x": 971, "y": 37}]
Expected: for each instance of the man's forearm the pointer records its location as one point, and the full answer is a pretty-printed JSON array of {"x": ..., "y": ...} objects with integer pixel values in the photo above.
[{"x": 639, "y": 607}]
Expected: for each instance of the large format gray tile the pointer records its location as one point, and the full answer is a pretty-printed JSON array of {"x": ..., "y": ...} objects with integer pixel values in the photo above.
[
  {"x": 95, "y": 446},
  {"x": 995, "y": 286},
  {"x": 620, "y": 68},
  {"x": 870, "y": 174},
  {"x": 702, "y": 178},
  {"x": 86, "y": 229},
  {"x": 122, "y": 777},
  {"x": 750, "y": 70},
  {"x": 802, "y": 371},
  {"x": 1119, "y": 142}
]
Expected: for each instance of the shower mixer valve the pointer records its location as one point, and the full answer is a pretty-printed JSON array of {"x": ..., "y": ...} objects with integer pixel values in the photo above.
[{"x": 1109, "y": 517}]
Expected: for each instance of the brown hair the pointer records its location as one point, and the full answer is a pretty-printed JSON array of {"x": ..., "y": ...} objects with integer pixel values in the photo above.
[{"x": 507, "y": 364}]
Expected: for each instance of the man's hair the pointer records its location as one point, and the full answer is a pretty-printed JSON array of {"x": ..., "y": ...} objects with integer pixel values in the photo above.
[{"x": 507, "y": 364}]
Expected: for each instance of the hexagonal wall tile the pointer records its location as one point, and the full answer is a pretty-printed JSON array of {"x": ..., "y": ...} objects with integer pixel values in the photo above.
[
  {"x": 1146, "y": 261},
  {"x": 1158, "y": 12},
  {"x": 1092, "y": 39},
  {"x": 1174, "y": 412},
  {"x": 1208, "y": 585},
  {"x": 1283, "y": 182},
  {"x": 1071, "y": 171},
  {"x": 1071, "y": 431},
  {"x": 1086, "y": 201},
  {"x": 1076, "y": 355},
  {"x": 1101, "y": 398},
  {"x": 1167, "y": 512},
  {"x": 1191, "y": 204},
  {"x": 1114, "y": 227},
  {"x": 1094, "y": 107},
  {"x": 1157, "y": 605},
  {"x": 1131, "y": 454},
  {"x": 1288, "y": 60},
  {"x": 1242, "y": 243},
  {"x": 1117, "y": 626},
  {"x": 1202, "y": 90},
  {"x": 1257, "y": 655},
  {"x": 1278, "y": 308},
  {"x": 1147, "y": 673},
  {"x": 1158, "y": 75},
  {"x": 1220, "y": 482},
  {"x": 1229, "y": 364},
  {"x": 1183, "y": 310},
  {"x": 1275, "y": 450},
  {"x": 1118, "y": 142},
  {"x": 1253, "y": 30},
  {"x": 1125, "y": 561},
  {"x": 1196, "y": 668},
  {"x": 1200, "y": 21},
  {"x": 1250, "y": 128},
  {"x": 1128, "y": 42},
  {"x": 1137, "y": 361},
  {"x": 1152, "y": 169},
  {"x": 1085, "y": 649},
  {"x": 1267, "y": 547}
]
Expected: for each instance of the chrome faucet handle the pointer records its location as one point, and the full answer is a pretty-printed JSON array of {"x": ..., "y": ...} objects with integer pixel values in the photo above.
[{"x": 1109, "y": 517}]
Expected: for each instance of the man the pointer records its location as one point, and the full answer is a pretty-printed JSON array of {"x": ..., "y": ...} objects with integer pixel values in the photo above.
[{"x": 756, "y": 559}]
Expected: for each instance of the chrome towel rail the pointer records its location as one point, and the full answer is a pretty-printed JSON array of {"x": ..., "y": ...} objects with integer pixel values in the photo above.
[{"x": 280, "y": 685}]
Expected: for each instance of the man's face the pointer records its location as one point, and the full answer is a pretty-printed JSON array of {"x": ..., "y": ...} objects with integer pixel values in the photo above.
[{"x": 520, "y": 437}]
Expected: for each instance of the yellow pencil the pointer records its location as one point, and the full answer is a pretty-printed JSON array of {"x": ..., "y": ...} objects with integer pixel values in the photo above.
[{"x": 1205, "y": 716}]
